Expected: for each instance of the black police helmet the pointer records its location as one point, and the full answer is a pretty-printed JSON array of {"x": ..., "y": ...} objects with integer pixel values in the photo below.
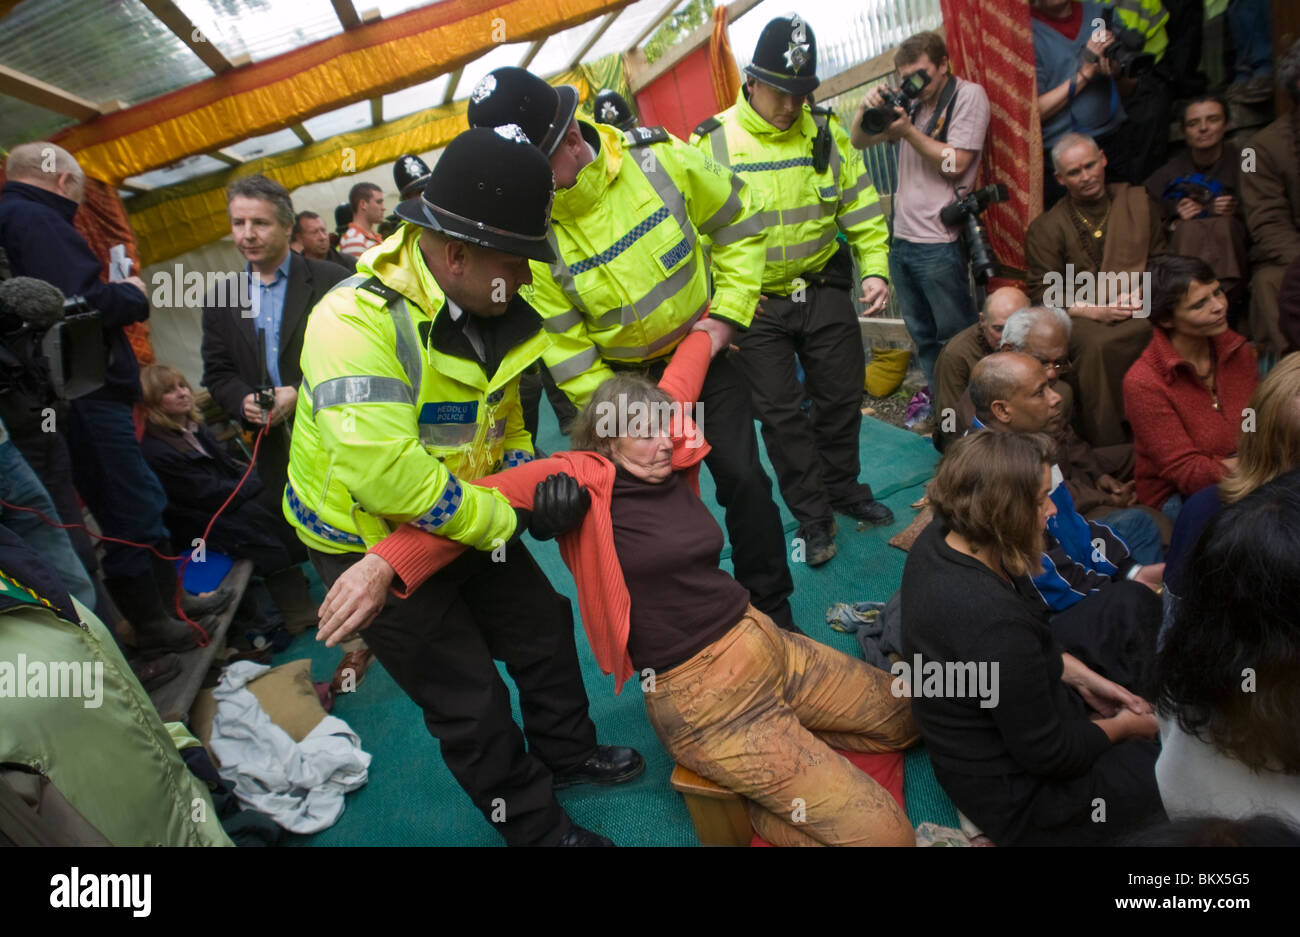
[
  {"x": 490, "y": 187},
  {"x": 411, "y": 175},
  {"x": 513, "y": 95},
  {"x": 342, "y": 217},
  {"x": 611, "y": 108},
  {"x": 786, "y": 56}
]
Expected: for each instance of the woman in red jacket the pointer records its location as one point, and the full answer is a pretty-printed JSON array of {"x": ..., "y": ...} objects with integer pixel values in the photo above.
[
  {"x": 1185, "y": 396},
  {"x": 731, "y": 695}
]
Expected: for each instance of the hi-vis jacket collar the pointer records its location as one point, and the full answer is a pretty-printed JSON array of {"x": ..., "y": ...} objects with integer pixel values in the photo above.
[
  {"x": 595, "y": 178},
  {"x": 754, "y": 122}
]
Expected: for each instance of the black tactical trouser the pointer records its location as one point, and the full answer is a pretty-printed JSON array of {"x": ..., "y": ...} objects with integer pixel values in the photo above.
[
  {"x": 439, "y": 646},
  {"x": 815, "y": 454}
]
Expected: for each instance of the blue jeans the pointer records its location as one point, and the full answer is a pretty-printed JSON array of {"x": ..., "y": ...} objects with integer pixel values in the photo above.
[
  {"x": 1140, "y": 534},
  {"x": 1252, "y": 38},
  {"x": 116, "y": 483},
  {"x": 931, "y": 284},
  {"x": 1173, "y": 506},
  {"x": 19, "y": 486}
]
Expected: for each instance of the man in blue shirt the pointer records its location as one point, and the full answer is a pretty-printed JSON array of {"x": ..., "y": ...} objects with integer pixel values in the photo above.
[{"x": 252, "y": 340}]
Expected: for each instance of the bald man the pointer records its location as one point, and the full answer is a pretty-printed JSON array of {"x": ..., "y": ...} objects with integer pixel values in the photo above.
[
  {"x": 1105, "y": 607},
  {"x": 952, "y": 369},
  {"x": 44, "y": 188}
]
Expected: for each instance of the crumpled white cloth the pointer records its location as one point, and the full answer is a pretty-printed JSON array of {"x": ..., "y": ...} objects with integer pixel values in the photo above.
[{"x": 300, "y": 785}]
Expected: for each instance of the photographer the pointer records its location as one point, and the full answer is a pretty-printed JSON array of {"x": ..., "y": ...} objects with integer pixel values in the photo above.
[
  {"x": 944, "y": 137},
  {"x": 1078, "y": 88}
]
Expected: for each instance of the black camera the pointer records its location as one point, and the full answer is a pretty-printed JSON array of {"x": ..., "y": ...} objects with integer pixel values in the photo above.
[
  {"x": 1125, "y": 54},
  {"x": 966, "y": 210},
  {"x": 876, "y": 119}
]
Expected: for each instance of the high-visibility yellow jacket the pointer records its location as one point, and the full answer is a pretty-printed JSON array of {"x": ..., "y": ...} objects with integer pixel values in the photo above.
[
  {"x": 801, "y": 209},
  {"x": 367, "y": 453},
  {"x": 1149, "y": 17},
  {"x": 632, "y": 275}
]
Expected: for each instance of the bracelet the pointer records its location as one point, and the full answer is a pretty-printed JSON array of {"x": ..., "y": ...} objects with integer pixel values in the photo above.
[{"x": 1133, "y": 572}]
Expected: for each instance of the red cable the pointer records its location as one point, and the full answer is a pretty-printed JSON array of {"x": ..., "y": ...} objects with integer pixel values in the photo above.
[{"x": 202, "y": 639}]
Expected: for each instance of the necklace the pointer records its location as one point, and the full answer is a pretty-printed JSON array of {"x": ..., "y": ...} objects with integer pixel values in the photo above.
[
  {"x": 1209, "y": 383},
  {"x": 1100, "y": 229}
]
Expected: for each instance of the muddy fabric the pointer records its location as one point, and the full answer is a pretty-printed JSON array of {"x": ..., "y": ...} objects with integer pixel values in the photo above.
[{"x": 758, "y": 712}]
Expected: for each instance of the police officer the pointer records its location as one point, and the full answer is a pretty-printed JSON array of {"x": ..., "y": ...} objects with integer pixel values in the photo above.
[
  {"x": 629, "y": 226},
  {"x": 410, "y": 393},
  {"x": 813, "y": 186},
  {"x": 411, "y": 174},
  {"x": 611, "y": 108}
]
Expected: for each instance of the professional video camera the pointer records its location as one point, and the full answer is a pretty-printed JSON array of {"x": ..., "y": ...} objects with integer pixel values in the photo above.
[
  {"x": 51, "y": 349},
  {"x": 966, "y": 210},
  {"x": 1126, "y": 56},
  {"x": 876, "y": 119}
]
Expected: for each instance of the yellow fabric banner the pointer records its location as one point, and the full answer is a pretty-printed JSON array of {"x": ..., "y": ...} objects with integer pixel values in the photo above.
[{"x": 171, "y": 221}]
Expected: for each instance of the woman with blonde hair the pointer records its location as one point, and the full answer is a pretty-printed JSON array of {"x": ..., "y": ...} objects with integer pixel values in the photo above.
[
  {"x": 1024, "y": 737},
  {"x": 1268, "y": 447},
  {"x": 199, "y": 476}
]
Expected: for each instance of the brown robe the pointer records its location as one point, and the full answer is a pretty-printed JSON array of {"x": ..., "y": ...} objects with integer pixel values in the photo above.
[
  {"x": 1102, "y": 351},
  {"x": 951, "y": 375}
]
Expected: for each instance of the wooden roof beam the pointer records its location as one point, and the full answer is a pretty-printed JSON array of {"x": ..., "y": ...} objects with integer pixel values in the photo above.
[
  {"x": 184, "y": 29},
  {"x": 34, "y": 91},
  {"x": 301, "y": 133},
  {"x": 450, "y": 95},
  {"x": 228, "y": 156},
  {"x": 532, "y": 52},
  {"x": 593, "y": 39},
  {"x": 377, "y": 110},
  {"x": 346, "y": 13}
]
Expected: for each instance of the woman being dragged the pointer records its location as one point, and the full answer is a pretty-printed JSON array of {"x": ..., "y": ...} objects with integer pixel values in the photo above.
[{"x": 732, "y": 696}]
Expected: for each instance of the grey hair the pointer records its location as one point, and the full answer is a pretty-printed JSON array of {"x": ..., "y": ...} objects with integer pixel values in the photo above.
[
  {"x": 1019, "y": 324},
  {"x": 1067, "y": 141},
  {"x": 268, "y": 190},
  {"x": 1288, "y": 71}
]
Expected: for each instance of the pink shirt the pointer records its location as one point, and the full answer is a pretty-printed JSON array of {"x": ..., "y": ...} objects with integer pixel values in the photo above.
[{"x": 922, "y": 190}]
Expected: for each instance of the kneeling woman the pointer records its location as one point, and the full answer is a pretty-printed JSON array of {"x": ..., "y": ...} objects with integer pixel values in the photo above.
[
  {"x": 732, "y": 696},
  {"x": 1059, "y": 748}
]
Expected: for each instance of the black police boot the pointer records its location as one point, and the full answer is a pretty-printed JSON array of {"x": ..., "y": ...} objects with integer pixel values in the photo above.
[
  {"x": 156, "y": 632},
  {"x": 818, "y": 541},
  {"x": 609, "y": 764},
  {"x": 581, "y": 836},
  {"x": 867, "y": 512}
]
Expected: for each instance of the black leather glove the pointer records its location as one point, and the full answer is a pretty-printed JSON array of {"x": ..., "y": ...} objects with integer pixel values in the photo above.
[{"x": 559, "y": 505}]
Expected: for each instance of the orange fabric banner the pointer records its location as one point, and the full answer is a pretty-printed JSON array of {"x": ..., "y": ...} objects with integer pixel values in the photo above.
[
  {"x": 373, "y": 59},
  {"x": 722, "y": 64}
]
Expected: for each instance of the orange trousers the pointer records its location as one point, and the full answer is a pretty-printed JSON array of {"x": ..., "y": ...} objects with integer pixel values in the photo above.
[{"x": 758, "y": 712}]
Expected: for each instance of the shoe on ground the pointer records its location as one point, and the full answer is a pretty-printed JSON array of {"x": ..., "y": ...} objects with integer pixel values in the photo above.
[
  {"x": 581, "y": 836},
  {"x": 154, "y": 673},
  {"x": 610, "y": 764},
  {"x": 868, "y": 512},
  {"x": 818, "y": 541},
  {"x": 354, "y": 663},
  {"x": 210, "y": 603}
]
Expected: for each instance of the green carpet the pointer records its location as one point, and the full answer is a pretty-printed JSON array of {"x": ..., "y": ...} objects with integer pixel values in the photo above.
[{"x": 411, "y": 798}]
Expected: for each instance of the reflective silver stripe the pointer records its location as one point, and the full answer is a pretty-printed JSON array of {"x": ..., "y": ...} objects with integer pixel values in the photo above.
[
  {"x": 655, "y": 297},
  {"x": 352, "y": 281},
  {"x": 672, "y": 198},
  {"x": 862, "y": 214},
  {"x": 562, "y": 275},
  {"x": 850, "y": 195},
  {"x": 408, "y": 347},
  {"x": 718, "y": 141},
  {"x": 570, "y": 368},
  {"x": 728, "y": 210},
  {"x": 341, "y": 390},
  {"x": 563, "y": 322},
  {"x": 756, "y": 224},
  {"x": 799, "y": 251},
  {"x": 444, "y": 435},
  {"x": 641, "y": 352}
]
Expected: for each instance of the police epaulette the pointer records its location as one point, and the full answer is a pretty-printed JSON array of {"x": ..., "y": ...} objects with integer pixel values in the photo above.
[
  {"x": 707, "y": 126},
  {"x": 644, "y": 136},
  {"x": 376, "y": 286}
]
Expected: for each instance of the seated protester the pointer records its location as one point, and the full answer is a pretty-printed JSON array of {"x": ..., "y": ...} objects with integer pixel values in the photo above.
[
  {"x": 1099, "y": 478},
  {"x": 1028, "y": 768},
  {"x": 1197, "y": 191},
  {"x": 1271, "y": 194},
  {"x": 1288, "y": 308},
  {"x": 1076, "y": 87},
  {"x": 733, "y": 696},
  {"x": 1269, "y": 446},
  {"x": 199, "y": 476},
  {"x": 95, "y": 764},
  {"x": 1102, "y": 599},
  {"x": 952, "y": 413},
  {"x": 1101, "y": 237},
  {"x": 1228, "y": 749},
  {"x": 1185, "y": 395}
]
